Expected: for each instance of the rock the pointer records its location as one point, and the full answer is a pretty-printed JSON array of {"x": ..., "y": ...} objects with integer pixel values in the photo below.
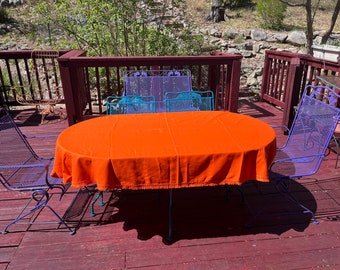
[
  {"x": 246, "y": 54},
  {"x": 258, "y": 34},
  {"x": 231, "y": 34},
  {"x": 251, "y": 81},
  {"x": 233, "y": 51},
  {"x": 214, "y": 41},
  {"x": 11, "y": 45},
  {"x": 277, "y": 37},
  {"x": 214, "y": 32},
  {"x": 257, "y": 47},
  {"x": 317, "y": 40},
  {"x": 3, "y": 29},
  {"x": 10, "y": 3},
  {"x": 297, "y": 38}
]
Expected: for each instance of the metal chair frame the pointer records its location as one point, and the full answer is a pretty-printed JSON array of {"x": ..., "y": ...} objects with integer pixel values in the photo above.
[
  {"x": 22, "y": 170},
  {"x": 130, "y": 104},
  {"x": 336, "y": 140},
  {"x": 307, "y": 142},
  {"x": 156, "y": 83},
  {"x": 194, "y": 100}
]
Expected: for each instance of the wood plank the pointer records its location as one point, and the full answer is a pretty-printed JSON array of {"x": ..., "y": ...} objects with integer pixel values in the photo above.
[
  {"x": 208, "y": 229},
  {"x": 6, "y": 254}
]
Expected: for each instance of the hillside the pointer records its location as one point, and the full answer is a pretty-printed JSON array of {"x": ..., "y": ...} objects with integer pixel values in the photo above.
[
  {"x": 245, "y": 19},
  {"x": 196, "y": 14}
]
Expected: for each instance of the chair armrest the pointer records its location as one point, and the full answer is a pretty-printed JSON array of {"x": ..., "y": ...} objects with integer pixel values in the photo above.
[
  {"x": 291, "y": 171},
  {"x": 284, "y": 128},
  {"x": 20, "y": 166},
  {"x": 47, "y": 184},
  {"x": 42, "y": 136},
  {"x": 296, "y": 159}
]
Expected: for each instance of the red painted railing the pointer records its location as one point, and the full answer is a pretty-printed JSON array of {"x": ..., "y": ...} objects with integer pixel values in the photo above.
[
  {"x": 286, "y": 75},
  {"x": 16, "y": 70},
  {"x": 88, "y": 80}
]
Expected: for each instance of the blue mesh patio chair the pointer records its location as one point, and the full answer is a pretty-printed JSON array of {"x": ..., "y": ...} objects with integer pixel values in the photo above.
[
  {"x": 308, "y": 138},
  {"x": 130, "y": 104},
  {"x": 21, "y": 170},
  {"x": 189, "y": 101}
]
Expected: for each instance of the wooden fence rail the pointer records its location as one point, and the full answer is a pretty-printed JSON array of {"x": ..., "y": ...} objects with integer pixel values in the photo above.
[
  {"x": 87, "y": 80},
  {"x": 286, "y": 75}
]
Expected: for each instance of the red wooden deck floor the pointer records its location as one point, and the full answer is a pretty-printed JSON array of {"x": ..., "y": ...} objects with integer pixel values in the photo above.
[{"x": 208, "y": 229}]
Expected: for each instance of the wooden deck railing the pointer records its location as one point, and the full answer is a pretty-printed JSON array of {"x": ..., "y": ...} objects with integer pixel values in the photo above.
[
  {"x": 286, "y": 75},
  {"x": 88, "y": 80},
  {"x": 16, "y": 73}
]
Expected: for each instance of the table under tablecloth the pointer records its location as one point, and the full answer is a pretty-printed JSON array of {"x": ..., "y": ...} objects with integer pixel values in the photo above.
[{"x": 165, "y": 150}]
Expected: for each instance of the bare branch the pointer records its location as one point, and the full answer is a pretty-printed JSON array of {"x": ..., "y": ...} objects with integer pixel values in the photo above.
[{"x": 333, "y": 21}]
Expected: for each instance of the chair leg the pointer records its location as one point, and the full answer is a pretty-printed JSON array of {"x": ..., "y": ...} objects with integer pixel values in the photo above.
[
  {"x": 41, "y": 197},
  {"x": 337, "y": 146},
  {"x": 238, "y": 188},
  {"x": 101, "y": 203},
  {"x": 170, "y": 238}
]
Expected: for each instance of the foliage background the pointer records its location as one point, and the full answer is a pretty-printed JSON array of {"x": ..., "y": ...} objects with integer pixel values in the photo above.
[
  {"x": 120, "y": 28},
  {"x": 51, "y": 27}
]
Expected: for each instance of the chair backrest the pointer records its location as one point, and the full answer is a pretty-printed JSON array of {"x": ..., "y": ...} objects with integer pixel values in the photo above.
[
  {"x": 156, "y": 83},
  {"x": 130, "y": 104},
  {"x": 15, "y": 151},
  {"x": 189, "y": 101},
  {"x": 315, "y": 121}
]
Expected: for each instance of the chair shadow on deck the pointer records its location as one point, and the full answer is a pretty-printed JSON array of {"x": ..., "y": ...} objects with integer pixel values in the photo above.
[
  {"x": 29, "y": 117},
  {"x": 197, "y": 212}
]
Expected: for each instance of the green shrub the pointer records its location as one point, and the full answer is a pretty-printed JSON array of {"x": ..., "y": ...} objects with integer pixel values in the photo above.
[{"x": 271, "y": 13}]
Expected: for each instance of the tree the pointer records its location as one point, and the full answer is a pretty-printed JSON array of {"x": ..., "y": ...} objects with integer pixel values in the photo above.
[
  {"x": 311, "y": 8},
  {"x": 333, "y": 21}
]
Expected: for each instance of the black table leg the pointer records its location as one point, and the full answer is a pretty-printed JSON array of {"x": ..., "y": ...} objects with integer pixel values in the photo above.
[{"x": 170, "y": 216}]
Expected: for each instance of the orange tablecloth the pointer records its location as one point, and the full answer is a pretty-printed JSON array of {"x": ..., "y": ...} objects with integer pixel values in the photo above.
[{"x": 165, "y": 150}]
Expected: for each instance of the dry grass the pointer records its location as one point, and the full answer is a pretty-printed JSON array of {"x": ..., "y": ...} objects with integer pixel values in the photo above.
[{"x": 198, "y": 10}]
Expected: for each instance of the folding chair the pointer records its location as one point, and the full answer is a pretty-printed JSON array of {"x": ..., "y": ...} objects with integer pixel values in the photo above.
[
  {"x": 130, "y": 104},
  {"x": 22, "y": 170},
  {"x": 307, "y": 142},
  {"x": 156, "y": 83},
  {"x": 189, "y": 101}
]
